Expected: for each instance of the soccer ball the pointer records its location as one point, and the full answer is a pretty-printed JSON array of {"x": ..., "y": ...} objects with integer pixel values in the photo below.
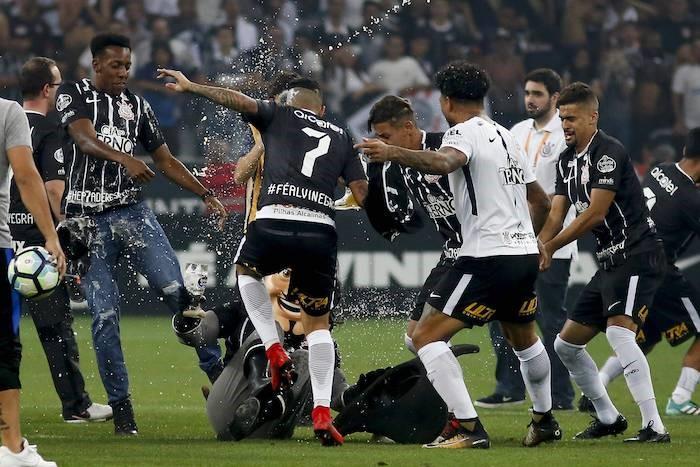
[{"x": 32, "y": 273}]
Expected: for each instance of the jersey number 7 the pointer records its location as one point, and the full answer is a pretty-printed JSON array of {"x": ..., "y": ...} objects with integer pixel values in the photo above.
[{"x": 324, "y": 143}]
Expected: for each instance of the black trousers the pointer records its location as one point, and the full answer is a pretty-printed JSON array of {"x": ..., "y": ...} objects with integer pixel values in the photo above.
[
  {"x": 10, "y": 347},
  {"x": 551, "y": 287},
  {"x": 54, "y": 323}
]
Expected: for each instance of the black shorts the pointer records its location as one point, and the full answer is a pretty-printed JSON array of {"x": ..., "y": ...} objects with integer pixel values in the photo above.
[
  {"x": 626, "y": 289},
  {"x": 308, "y": 249},
  {"x": 431, "y": 281},
  {"x": 479, "y": 290},
  {"x": 10, "y": 347},
  {"x": 674, "y": 313}
]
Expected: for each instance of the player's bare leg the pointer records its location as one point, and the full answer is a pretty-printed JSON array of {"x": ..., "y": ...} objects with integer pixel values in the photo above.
[
  {"x": 257, "y": 302},
  {"x": 570, "y": 345},
  {"x": 445, "y": 374},
  {"x": 408, "y": 337},
  {"x": 321, "y": 368}
]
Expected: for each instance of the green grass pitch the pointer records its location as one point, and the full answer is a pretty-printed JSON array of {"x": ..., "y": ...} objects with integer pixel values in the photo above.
[{"x": 166, "y": 382}]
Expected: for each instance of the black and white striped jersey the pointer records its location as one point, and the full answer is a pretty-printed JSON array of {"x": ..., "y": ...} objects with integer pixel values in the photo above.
[
  {"x": 93, "y": 184},
  {"x": 605, "y": 164},
  {"x": 433, "y": 193}
]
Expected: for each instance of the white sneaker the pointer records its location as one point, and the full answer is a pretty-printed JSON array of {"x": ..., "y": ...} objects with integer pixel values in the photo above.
[
  {"x": 94, "y": 413},
  {"x": 28, "y": 457}
]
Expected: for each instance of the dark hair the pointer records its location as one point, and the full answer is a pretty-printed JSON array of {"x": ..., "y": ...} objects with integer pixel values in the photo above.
[
  {"x": 390, "y": 109},
  {"x": 305, "y": 83},
  {"x": 577, "y": 93},
  {"x": 692, "y": 144},
  {"x": 462, "y": 81},
  {"x": 101, "y": 41},
  {"x": 281, "y": 82},
  {"x": 35, "y": 74},
  {"x": 546, "y": 76}
]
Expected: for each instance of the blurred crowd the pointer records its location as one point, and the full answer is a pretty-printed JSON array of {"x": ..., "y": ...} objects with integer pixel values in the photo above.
[{"x": 642, "y": 57}]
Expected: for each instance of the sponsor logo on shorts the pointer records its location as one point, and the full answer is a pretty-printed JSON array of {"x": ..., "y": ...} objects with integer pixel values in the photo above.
[
  {"x": 528, "y": 308},
  {"x": 318, "y": 304},
  {"x": 479, "y": 312},
  {"x": 676, "y": 333}
]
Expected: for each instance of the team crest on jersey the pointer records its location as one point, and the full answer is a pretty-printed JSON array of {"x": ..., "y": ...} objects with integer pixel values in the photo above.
[
  {"x": 547, "y": 149},
  {"x": 63, "y": 101},
  {"x": 58, "y": 155},
  {"x": 125, "y": 110},
  {"x": 606, "y": 164}
]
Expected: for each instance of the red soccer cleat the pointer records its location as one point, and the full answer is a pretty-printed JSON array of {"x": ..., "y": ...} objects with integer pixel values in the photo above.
[
  {"x": 323, "y": 427},
  {"x": 281, "y": 367}
]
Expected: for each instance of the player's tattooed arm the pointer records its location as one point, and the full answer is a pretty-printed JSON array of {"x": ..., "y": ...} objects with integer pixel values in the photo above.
[
  {"x": 229, "y": 98},
  {"x": 441, "y": 162}
]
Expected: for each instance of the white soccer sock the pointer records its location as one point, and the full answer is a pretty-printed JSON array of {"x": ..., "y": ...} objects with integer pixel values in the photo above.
[
  {"x": 321, "y": 362},
  {"x": 583, "y": 370},
  {"x": 408, "y": 342},
  {"x": 610, "y": 370},
  {"x": 637, "y": 374},
  {"x": 445, "y": 374},
  {"x": 257, "y": 304},
  {"x": 536, "y": 371},
  {"x": 686, "y": 385}
]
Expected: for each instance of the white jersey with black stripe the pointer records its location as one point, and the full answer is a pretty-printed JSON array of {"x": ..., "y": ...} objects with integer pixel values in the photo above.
[{"x": 490, "y": 190}]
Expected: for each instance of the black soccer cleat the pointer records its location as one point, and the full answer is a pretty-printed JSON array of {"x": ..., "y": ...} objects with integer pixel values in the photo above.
[
  {"x": 456, "y": 436},
  {"x": 246, "y": 419},
  {"x": 545, "y": 431},
  {"x": 585, "y": 405},
  {"x": 496, "y": 401},
  {"x": 648, "y": 435},
  {"x": 124, "y": 422},
  {"x": 597, "y": 429}
]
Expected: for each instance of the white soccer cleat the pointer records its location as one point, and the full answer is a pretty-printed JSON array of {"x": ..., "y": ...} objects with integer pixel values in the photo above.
[
  {"x": 94, "y": 413},
  {"x": 28, "y": 457},
  {"x": 347, "y": 202}
]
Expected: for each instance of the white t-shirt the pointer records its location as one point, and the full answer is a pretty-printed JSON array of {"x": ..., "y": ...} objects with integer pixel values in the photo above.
[
  {"x": 393, "y": 76},
  {"x": 542, "y": 148},
  {"x": 686, "y": 81},
  {"x": 489, "y": 190}
]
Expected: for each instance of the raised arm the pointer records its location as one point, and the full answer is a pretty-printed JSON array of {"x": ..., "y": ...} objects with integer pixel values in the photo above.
[
  {"x": 229, "y": 98},
  {"x": 441, "y": 162}
]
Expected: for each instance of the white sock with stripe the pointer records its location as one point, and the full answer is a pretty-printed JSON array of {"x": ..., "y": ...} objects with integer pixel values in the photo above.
[
  {"x": 637, "y": 374},
  {"x": 445, "y": 374},
  {"x": 686, "y": 385},
  {"x": 610, "y": 370},
  {"x": 536, "y": 371},
  {"x": 257, "y": 304},
  {"x": 321, "y": 363}
]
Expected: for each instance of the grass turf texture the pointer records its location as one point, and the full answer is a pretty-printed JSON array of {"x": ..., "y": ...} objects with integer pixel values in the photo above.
[{"x": 165, "y": 384}]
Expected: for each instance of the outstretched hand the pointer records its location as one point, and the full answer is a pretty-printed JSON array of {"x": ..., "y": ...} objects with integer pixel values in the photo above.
[
  {"x": 181, "y": 84},
  {"x": 375, "y": 149}
]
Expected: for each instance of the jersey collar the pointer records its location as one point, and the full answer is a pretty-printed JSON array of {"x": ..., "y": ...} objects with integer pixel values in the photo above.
[
  {"x": 683, "y": 172},
  {"x": 588, "y": 146},
  {"x": 552, "y": 125}
]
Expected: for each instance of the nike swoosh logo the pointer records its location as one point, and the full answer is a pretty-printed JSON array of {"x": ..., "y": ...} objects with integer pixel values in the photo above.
[
  {"x": 630, "y": 363},
  {"x": 507, "y": 399},
  {"x": 613, "y": 305},
  {"x": 491, "y": 140},
  {"x": 432, "y": 295}
]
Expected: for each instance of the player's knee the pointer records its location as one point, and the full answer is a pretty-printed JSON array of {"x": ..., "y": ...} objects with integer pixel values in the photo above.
[
  {"x": 622, "y": 321},
  {"x": 567, "y": 352}
]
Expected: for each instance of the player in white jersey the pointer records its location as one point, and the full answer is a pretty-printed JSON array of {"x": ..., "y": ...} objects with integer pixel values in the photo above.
[
  {"x": 495, "y": 196},
  {"x": 542, "y": 138}
]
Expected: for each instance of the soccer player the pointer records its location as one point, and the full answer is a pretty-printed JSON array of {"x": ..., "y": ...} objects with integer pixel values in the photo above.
[
  {"x": 393, "y": 121},
  {"x": 294, "y": 226},
  {"x": 674, "y": 203},
  {"x": 542, "y": 138},
  {"x": 40, "y": 78},
  {"x": 104, "y": 122},
  {"x": 494, "y": 275},
  {"x": 16, "y": 153},
  {"x": 595, "y": 175}
]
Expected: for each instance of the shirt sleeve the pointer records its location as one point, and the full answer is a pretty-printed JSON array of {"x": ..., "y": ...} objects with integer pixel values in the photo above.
[
  {"x": 16, "y": 128},
  {"x": 70, "y": 104},
  {"x": 456, "y": 138},
  {"x": 607, "y": 168},
  {"x": 678, "y": 85},
  {"x": 263, "y": 117},
  {"x": 353, "y": 170},
  {"x": 51, "y": 156},
  {"x": 559, "y": 185},
  {"x": 691, "y": 212},
  {"x": 150, "y": 135}
]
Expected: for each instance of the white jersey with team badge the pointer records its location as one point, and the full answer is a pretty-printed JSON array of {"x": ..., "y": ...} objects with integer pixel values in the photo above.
[
  {"x": 542, "y": 148},
  {"x": 490, "y": 190}
]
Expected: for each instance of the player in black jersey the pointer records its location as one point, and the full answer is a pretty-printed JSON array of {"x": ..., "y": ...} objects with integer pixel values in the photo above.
[
  {"x": 104, "y": 122},
  {"x": 673, "y": 200},
  {"x": 40, "y": 77},
  {"x": 294, "y": 227},
  {"x": 393, "y": 120},
  {"x": 595, "y": 174}
]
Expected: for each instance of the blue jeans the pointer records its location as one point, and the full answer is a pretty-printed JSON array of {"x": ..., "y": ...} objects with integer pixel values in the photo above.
[
  {"x": 551, "y": 288},
  {"x": 134, "y": 233}
]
